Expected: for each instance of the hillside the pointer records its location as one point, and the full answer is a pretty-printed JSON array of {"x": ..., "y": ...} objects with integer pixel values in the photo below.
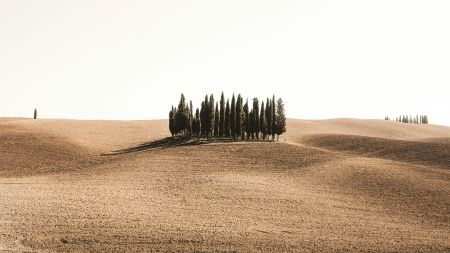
[{"x": 329, "y": 185}]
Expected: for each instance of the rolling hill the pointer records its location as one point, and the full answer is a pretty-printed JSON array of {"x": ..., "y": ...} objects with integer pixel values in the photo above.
[{"x": 327, "y": 185}]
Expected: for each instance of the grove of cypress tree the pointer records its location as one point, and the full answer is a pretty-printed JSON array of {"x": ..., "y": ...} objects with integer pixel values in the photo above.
[
  {"x": 281, "y": 118},
  {"x": 216, "y": 121},
  {"x": 227, "y": 130},
  {"x": 262, "y": 121},
  {"x": 222, "y": 116},
  {"x": 233, "y": 120},
  {"x": 256, "y": 115},
  {"x": 233, "y": 117}
]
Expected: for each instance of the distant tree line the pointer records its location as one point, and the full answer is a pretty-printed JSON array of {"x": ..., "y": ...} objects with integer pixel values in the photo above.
[
  {"x": 419, "y": 119},
  {"x": 229, "y": 119}
]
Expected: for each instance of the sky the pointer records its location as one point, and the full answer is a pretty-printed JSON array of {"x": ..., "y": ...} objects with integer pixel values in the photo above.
[{"x": 92, "y": 59}]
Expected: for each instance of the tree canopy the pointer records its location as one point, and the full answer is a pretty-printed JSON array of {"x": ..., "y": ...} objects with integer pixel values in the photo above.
[{"x": 225, "y": 120}]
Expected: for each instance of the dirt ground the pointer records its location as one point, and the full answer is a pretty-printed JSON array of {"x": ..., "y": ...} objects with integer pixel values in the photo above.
[{"x": 326, "y": 186}]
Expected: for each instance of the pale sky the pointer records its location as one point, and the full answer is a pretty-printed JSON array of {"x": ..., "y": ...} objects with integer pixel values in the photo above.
[{"x": 132, "y": 59}]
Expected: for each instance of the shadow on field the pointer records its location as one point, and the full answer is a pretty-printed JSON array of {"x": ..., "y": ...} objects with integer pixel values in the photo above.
[{"x": 169, "y": 142}]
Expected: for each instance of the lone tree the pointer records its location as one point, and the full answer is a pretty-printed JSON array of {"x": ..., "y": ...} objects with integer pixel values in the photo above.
[
  {"x": 280, "y": 118},
  {"x": 35, "y": 113}
]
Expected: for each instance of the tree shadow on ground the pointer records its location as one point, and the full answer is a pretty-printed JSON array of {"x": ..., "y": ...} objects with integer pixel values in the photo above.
[
  {"x": 169, "y": 142},
  {"x": 172, "y": 142}
]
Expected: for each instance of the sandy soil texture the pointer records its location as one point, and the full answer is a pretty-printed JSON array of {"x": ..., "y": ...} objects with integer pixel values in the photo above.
[{"x": 327, "y": 186}]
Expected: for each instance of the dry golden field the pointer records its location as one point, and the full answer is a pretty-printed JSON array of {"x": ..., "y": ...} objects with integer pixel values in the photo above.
[{"x": 326, "y": 186}]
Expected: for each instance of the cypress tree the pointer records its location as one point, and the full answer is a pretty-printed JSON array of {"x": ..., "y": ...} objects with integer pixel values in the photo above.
[
  {"x": 191, "y": 118},
  {"x": 252, "y": 123},
  {"x": 35, "y": 113},
  {"x": 211, "y": 115},
  {"x": 281, "y": 118},
  {"x": 196, "y": 124},
  {"x": 239, "y": 116},
  {"x": 182, "y": 116},
  {"x": 262, "y": 121},
  {"x": 222, "y": 116},
  {"x": 269, "y": 117},
  {"x": 246, "y": 120},
  {"x": 227, "y": 120},
  {"x": 233, "y": 117},
  {"x": 172, "y": 121},
  {"x": 204, "y": 117},
  {"x": 256, "y": 128},
  {"x": 216, "y": 121},
  {"x": 273, "y": 107}
]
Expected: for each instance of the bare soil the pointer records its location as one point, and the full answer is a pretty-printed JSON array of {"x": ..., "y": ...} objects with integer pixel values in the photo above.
[{"x": 326, "y": 186}]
